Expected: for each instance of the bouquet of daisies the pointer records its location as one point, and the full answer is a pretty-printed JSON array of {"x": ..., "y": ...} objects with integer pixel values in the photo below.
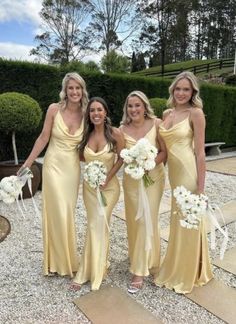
[
  {"x": 140, "y": 159},
  {"x": 192, "y": 207},
  {"x": 95, "y": 174}
]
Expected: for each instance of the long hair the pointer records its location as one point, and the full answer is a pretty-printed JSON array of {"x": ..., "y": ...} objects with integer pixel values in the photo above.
[
  {"x": 89, "y": 126},
  {"x": 76, "y": 77},
  {"x": 195, "y": 100},
  {"x": 148, "y": 109}
]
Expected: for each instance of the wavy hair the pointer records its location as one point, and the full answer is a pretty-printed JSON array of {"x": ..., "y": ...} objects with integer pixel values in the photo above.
[
  {"x": 76, "y": 77},
  {"x": 89, "y": 126},
  {"x": 148, "y": 109},
  {"x": 195, "y": 100}
]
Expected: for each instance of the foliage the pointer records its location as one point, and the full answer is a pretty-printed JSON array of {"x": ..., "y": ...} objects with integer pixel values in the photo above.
[
  {"x": 113, "y": 22},
  {"x": 113, "y": 62},
  {"x": 81, "y": 67},
  {"x": 19, "y": 113},
  {"x": 138, "y": 62},
  {"x": 63, "y": 38},
  {"x": 158, "y": 105},
  {"x": 231, "y": 80}
]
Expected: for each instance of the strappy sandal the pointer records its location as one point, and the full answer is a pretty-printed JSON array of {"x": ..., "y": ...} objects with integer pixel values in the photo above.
[
  {"x": 75, "y": 286},
  {"x": 135, "y": 286}
]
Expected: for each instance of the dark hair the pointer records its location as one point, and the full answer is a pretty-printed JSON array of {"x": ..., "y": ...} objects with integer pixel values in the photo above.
[{"x": 89, "y": 126}]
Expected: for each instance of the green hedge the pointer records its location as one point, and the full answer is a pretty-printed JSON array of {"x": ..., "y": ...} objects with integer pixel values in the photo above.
[
  {"x": 43, "y": 83},
  {"x": 158, "y": 105}
]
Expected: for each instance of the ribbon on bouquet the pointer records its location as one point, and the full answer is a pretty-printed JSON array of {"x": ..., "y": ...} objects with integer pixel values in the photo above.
[
  {"x": 144, "y": 211},
  {"x": 101, "y": 209},
  {"x": 26, "y": 176},
  {"x": 212, "y": 211}
]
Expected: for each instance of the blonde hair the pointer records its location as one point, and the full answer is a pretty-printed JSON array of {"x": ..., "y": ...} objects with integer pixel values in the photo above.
[
  {"x": 195, "y": 100},
  {"x": 63, "y": 96},
  {"x": 148, "y": 109}
]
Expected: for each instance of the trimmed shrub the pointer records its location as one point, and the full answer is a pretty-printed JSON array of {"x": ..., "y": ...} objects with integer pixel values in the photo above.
[
  {"x": 19, "y": 113},
  {"x": 158, "y": 105}
]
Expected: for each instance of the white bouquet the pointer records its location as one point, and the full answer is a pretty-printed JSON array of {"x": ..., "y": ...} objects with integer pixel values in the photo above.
[
  {"x": 140, "y": 159},
  {"x": 10, "y": 189},
  {"x": 192, "y": 207},
  {"x": 95, "y": 174}
]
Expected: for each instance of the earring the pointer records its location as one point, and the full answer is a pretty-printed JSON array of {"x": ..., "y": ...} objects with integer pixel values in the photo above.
[{"x": 145, "y": 114}]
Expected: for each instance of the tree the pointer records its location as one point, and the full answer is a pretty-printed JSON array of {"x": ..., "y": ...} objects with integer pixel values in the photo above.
[
  {"x": 113, "y": 62},
  {"x": 113, "y": 22},
  {"x": 63, "y": 38}
]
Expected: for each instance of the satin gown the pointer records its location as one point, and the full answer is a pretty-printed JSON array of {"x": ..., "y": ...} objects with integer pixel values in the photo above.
[
  {"x": 94, "y": 260},
  {"x": 61, "y": 175},
  {"x": 143, "y": 262},
  {"x": 186, "y": 263}
]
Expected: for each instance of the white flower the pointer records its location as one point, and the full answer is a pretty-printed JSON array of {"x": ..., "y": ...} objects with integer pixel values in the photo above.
[
  {"x": 95, "y": 174},
  {"x": 140, "y": 159},
  {"x": 192, "y": 207},
  {"x": 10, "y": 189}
]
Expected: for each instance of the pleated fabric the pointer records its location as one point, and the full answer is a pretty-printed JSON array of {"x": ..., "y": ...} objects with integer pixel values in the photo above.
[
  {"x": 143, "y": 262},
  {"x": 61, "y": 175},
  {"x": 186, "y": 263},
  {"x": 94, "y": 260}
]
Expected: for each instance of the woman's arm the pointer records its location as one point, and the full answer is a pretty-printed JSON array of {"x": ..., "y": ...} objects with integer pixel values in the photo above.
[
  {"x": 162, "y": 152},
  {"x": 44, "y": 136},
  {"x": 199, "y": 124},
  {"x": 120, "y": 144}
]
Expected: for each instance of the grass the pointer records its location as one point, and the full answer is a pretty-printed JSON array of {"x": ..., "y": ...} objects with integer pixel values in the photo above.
[{"x": 188, "y": 65}]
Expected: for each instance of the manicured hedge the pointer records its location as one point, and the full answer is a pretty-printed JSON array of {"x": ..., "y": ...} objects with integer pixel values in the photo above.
[{"x": 43, "y": 83}]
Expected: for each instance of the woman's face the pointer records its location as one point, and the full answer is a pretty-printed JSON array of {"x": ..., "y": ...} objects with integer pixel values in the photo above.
[
  {"x": 74, "y": 91},
  {"x": 97, "y": 113},
  {"x": 183, "y": 92},
  {"x": 135, "y": 108}
]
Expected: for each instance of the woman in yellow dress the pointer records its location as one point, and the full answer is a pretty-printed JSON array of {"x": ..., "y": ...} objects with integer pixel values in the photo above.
[
  {"x": 103, "y": 143},
  {"x": 139, "y": 122},
  {"x": 186, "y": 263},
  {"x": 63, "y": 129}
]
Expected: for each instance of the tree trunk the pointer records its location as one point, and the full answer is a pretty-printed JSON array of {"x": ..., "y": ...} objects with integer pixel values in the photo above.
[{"x": 14, "y": 147}]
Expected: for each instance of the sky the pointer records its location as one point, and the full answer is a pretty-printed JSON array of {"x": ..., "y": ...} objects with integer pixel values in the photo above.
[{"x": 19, "y": 24}]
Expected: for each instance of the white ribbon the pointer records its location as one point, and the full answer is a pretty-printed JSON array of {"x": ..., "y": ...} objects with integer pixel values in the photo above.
[
  {"x": 144, "y": 211},
  {"x": 25, "y": 177},
  {"x": 212, "y": 216},
  {"x": 101, "y": 209}
]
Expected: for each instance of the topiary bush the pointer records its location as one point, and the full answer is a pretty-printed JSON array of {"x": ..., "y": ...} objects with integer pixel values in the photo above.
[
  {"x": 19, "y": 113},
  {"x": 158, "y": 105}
]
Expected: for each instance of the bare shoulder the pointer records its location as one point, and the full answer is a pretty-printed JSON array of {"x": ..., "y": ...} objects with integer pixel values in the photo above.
[
  {"x": 166, "y": 112},
  {"x": 197, "y": 113},
  {"x": 157, "y": 121},
  {"x": 53, "y": 109},
  {"x": 117, "y": 133}
]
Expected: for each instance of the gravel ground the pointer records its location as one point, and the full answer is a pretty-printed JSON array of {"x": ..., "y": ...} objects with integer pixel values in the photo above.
[{"x": 29, "y": 297}]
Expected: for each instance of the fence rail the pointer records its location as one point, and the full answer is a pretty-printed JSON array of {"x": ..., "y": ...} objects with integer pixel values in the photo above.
[{"x": 206, "y": 67}]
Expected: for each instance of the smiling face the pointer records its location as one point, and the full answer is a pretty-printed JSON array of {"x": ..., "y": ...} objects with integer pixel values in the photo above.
[
  {"x": 97, "y": 113},
  {"x": 74, "y": 91},
  {"x": 183, "y": 92},
  {"x": 135, "y": 108}
]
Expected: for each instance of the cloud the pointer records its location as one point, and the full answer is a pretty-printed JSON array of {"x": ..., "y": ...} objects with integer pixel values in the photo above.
[
  {"x": 16, "y": 52},
  {"x": 21, "y": 11}
]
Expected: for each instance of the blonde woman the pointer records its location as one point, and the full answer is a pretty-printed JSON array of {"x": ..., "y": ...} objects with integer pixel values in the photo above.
[
  {"x": 63, "y": 129},
  {"x": 139, "y": 122},
  {"x": 186, "y": 263}
]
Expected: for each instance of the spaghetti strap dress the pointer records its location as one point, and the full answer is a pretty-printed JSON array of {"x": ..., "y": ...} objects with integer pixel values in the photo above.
[
  {"x": 186, "y": 263},
  {"x": 142, "y": 261},
  {"x": 61, "y": 175},
  {"x": 94, "y": 260}
]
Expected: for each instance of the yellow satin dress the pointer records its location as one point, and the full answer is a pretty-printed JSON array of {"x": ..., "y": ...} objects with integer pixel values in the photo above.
[
  {"x": 61, "y": 175},
  {"x": 186, "y": 263},
  {"x": 94, "y": 260},
  {"x": 143, "y": 262}
]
